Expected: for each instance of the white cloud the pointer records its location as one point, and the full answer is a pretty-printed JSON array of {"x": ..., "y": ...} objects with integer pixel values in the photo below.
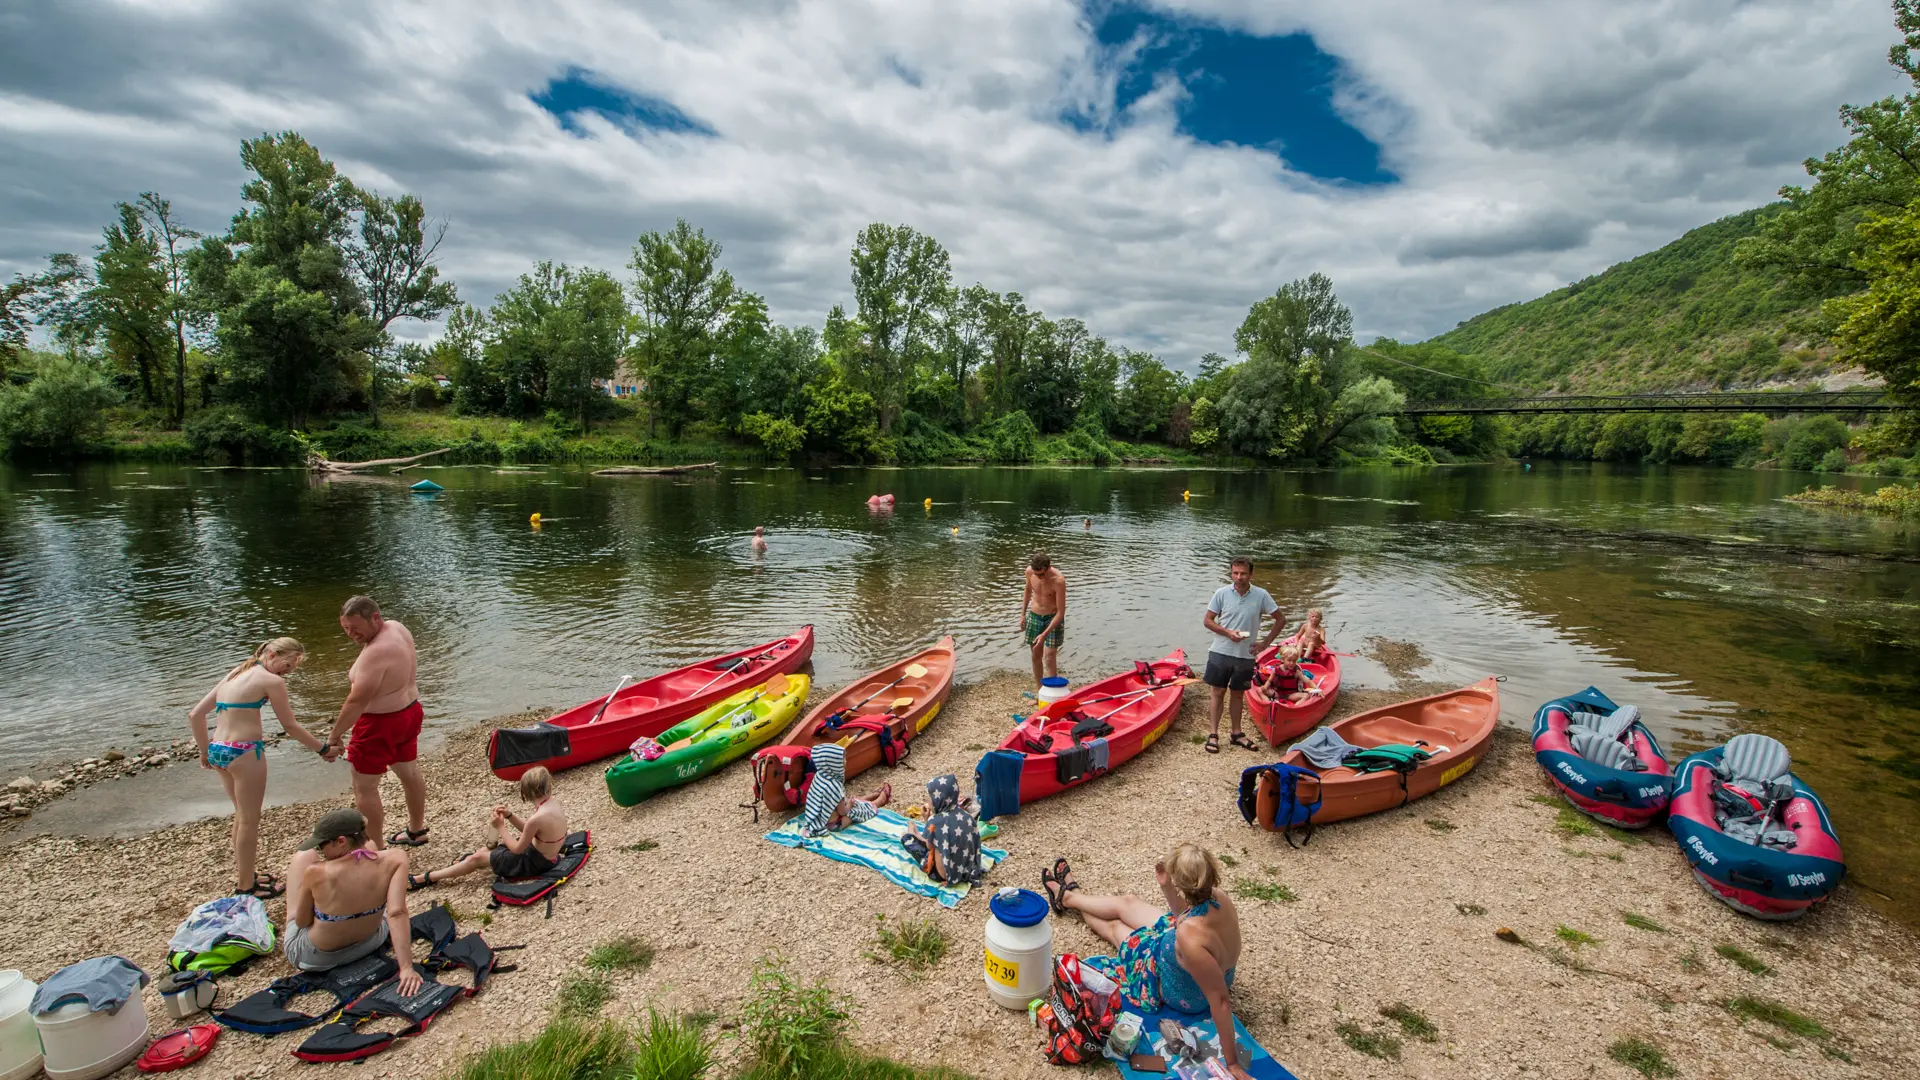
[{"x": 1536, "y": 143}]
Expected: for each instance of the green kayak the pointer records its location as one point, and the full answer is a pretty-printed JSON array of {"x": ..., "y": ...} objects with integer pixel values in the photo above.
[{"x": 709, "y": 739}]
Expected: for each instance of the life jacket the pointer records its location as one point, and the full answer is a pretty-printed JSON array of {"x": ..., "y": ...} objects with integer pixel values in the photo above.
[
  {"x": 265, "y": 1012},
  {"x": 1289, "y": 809},
  {"x": 342, "y": 1039},
  {"x": 575, "y": 850},
  {"x": 1078, "y": 1013},
  {"x": 1400, "y": 759},
  {"x": 1282, "y": 681},
  {"x": 785, "y": 770},
  {"x": 893, "y": 749}
]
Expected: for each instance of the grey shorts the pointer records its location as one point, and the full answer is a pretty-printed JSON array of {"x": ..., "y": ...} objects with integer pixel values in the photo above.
[
  {"x": 1228, "y": 672},
  {"x": 301, "y": 953}
]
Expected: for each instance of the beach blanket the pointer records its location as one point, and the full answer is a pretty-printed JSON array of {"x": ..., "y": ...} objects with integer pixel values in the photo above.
[
  {"x": 876, "y": 844},
  {"x": 1262, "y": 1067}
]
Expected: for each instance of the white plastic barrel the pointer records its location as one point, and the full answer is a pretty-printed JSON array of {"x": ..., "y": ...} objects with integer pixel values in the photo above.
[
  {"x": 1019, "y": 948},
  {"x": 84, "y": 1045},
  {"x": 19, "y": 1042},
  {"x": 1052, "y": 689}
]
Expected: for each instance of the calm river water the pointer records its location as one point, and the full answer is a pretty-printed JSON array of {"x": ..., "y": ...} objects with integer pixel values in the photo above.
[{"x": 127, "y": 590}]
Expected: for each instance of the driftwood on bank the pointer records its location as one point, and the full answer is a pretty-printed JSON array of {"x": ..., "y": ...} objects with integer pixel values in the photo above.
[
  {"x": 320, "y": 464},
  {"x": 658, "y": 470}
]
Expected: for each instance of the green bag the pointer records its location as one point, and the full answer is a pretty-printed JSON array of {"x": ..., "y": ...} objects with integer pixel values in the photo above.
[{"x": 222, "y": 958}]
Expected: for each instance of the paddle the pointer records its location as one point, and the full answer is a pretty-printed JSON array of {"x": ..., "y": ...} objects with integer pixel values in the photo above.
[
  {"x": 911, "y": 671},
  {"x": 742, "y": 662},
  {"x": 1072, "y": 703},
  {"x": 597, "y": 713},
  {"x": 775, "y": 685}
]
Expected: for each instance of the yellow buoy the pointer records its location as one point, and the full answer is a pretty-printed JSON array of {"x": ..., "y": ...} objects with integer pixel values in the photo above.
[
  {"x": 1186, "y": 495},
  {"x": 928, "y": 504},
  {"x": 534, "y": 520}
]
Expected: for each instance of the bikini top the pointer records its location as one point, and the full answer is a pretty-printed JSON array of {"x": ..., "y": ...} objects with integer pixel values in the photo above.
[
  {"x": 223, "y": 706},
  {"x": 356, "y": 853}
]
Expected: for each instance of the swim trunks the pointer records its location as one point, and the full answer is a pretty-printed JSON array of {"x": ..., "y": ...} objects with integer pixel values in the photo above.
[
  {"x": 511, "y": 864},
  {"x": 383, "y": 739},
  {"x": 1037, "y": 623}
]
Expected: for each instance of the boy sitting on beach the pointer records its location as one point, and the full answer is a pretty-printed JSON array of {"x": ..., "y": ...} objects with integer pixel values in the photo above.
[
  {"x": 1287, "y": 682},
  {"x": 531, "y": 852}
]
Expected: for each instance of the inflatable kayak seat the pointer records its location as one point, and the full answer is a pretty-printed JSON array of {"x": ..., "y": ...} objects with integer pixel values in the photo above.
[
  {"x": 1754, "y": 761},
  {"x": 1602, "y": 749},
  {"x": 529, "y": 745},
  {"x": 574, "y": 852},
  {"x": 342, "y": 1040}
]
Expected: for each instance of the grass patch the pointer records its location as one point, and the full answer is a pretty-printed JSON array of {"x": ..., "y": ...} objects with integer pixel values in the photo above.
[
  {"x": 1571, "y": 822},
  {"x": 1642, "y": 1057},
  {"x": 1250, "y": 889},
  {"x": 791, "y": 1028},
  {"x": 628, "y": 952},
  {"x": 1412, "y": 1023},
  {"x": 1744, "y": 959},
  {"x": 1441, "y": 825},
  {"x": 1777, "y": 1043},
  {"x": 1772, "y": 1012},
  {"x": 841, "y": 1062},
  {"x": 642, "y": 845},
  {"x": 671, "y": 1048},
  {"x": 1228, "y": 861},
  {"x": 1470, "y": 909},
  {"x": 1544, "y": 800},
  {"x": 973, "y": 747},
  {"x": 919, "y": 944},
  {"x": 1641, "y": 922},
  {"x": 566, "y": 1049},
  {"x": 1837, "y": 1054},
  {"x": 1197, "y": 740},
  {"x": 1370, "y": 1043},
  {"x": 1575, "y": 938},
  {"x": 1622, "y": 836},
  {"x": 584, "y": 995}
]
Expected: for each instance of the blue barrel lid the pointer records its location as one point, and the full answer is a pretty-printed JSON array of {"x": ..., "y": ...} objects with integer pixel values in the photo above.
[
  {"x": 1056, "y": 681},
  {"x": 1024, "y": 908},
  {"x": 426, "y": 485}
]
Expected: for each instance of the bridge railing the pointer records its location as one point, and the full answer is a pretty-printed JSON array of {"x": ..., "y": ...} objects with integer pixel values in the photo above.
[{"x": 1739, "y": 401}]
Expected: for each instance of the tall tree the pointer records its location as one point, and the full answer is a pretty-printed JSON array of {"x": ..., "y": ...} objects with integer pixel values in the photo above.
[
  {"x": 182, "y": 315},
  {"x": 1147, "y": 396},
  {"x": 965, "y": 334},
  {"x": 586, "y": 339},
  {"x": 393, "y": 260},
  {"x": 56, "y": 297},
  {"x": 130, "y": 299},
  {"x": 461, "y": 352},
  {"x": 293, "y": 325},
  {"x": 683, "y": 296},
  {"x": 1279, "y": 395},
  {"x": 902, "y": 281}
]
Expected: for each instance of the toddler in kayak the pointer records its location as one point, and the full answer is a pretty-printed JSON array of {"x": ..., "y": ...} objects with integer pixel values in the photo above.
[
  {"x": 1287, "y": 682},
  {"x": 1312, "y": 637},
  {"x": 533, "y": 849}
]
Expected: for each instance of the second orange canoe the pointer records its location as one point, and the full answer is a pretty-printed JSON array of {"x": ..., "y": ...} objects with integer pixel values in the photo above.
[
  {"x": 1456, "y": 727},
  {"x": 928, "y": 693}
]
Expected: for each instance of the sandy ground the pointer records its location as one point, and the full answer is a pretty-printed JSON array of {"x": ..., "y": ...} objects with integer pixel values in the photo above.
[{"x": 1379, "y": 920}]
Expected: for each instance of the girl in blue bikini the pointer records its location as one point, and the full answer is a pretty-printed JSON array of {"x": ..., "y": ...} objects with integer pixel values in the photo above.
[
  {"x": 236, "y": 749},
  {"x": 1181, "y": 959}
]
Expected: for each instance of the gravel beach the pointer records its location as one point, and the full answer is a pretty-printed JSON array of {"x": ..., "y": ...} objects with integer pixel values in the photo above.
[{"x": 1398, "y": 909}]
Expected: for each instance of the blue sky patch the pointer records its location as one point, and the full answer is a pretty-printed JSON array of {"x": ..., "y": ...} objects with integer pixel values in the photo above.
[
  {"x": 1270, "y": 92},
  {"x": 580, "y": 90}
]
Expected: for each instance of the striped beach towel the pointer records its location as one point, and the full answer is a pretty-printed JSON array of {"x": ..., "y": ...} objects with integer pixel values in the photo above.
[{"x": 876, "y": 844}]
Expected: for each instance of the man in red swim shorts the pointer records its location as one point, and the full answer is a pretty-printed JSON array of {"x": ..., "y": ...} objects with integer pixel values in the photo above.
[{"x": 383, "y": 711}]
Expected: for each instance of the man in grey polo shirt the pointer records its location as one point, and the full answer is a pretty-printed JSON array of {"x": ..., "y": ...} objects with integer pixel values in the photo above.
[{"x": 1233, "y": 617}]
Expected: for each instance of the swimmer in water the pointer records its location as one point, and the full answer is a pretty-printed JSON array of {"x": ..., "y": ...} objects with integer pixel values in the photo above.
[
  {"x": 759, "y": 540},
  {"x": 1087, "y": 523}
]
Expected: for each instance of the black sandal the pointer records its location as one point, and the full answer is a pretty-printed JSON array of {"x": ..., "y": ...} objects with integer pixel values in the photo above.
[
  {"x": 1213, "y": 743},
  {"x": 1060, "y": 871},
  {"x": 1240, "y": 740},
  {"x": 1048, "y": 885},
  {"x": 416, "y": 882},
  {"x": 410, "y": 837},
  {"x": 264, "y": 887}
]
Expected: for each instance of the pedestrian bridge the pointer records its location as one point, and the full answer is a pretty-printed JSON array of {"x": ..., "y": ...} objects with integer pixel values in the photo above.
[{"x": 1773, "y": 403}]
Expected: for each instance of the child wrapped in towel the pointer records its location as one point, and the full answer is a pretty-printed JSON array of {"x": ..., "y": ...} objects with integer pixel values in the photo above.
[
  {"x": 828, "y": 805},
  {"x": 947, "y": 846}
]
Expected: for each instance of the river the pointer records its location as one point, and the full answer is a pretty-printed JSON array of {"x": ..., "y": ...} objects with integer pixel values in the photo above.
[{"x": 126, "y": 590}]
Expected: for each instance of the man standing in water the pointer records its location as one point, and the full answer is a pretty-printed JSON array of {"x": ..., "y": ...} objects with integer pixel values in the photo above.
[
  {"x": 1233, "y": 616},
  {"x": 1043, "y": 615},
  {"x": 383, "y": 711}
]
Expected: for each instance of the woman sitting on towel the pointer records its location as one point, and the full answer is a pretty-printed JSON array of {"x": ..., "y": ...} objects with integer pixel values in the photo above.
[
  {"x": 829, "y": 807},
  {"x": 1181, "y": 959},
  {"x": 947, "y": 846},
  {"x": 338, "y": 891}
]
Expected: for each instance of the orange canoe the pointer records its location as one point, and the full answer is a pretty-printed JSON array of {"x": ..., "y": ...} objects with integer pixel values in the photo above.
[
  {"x": 1456, "y": 727},
  {"x": 780, "y": 769}
]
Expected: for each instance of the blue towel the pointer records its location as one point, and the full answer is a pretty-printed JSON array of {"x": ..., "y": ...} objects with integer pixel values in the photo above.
[
  {"x": 1325, "y": 748},
  {"x": 876, "y": 844},
  {"x": 1100, "y": 754},
  {"x": 1262, "y": 1067},
  {"x": 105, "y": 983},
  {"x": 996, "y": 783}
]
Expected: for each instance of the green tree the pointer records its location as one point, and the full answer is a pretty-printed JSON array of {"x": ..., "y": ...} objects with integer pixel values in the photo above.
[
  {"x": 394, "y": 260},
  {"x": 59, "y": 410},
  {"x": 683, "y": 297},
  {"x": 182, "y": 313},
  {"x": 461, "y": 352},
  {"x": 1879, "y": 327},
  {"x": 130, "y": 301},
  {"x": 902, "y": 282},
  {"x": 1097, "y": 370},
  {"x": 292, "y": 323},
  {"x": 587, "y": 335},
  {"x": 1279, "y": 396},
  {"x": 1148, "y": 394}
]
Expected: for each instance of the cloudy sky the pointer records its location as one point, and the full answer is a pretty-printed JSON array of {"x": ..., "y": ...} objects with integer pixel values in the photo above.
[{"x": 1152, "y": 168}]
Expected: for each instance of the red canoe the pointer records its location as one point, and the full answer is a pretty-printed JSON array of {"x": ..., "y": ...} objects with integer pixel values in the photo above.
[
  {"x": 1055, "y": 761},
  {"x": 584, "y": 733},
  {"x": 1283, "y": 722}
]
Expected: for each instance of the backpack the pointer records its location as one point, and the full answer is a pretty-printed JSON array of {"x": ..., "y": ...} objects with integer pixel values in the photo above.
[
  {"x": 1079, "y": 1013},
  {"x": 1289, "y": 810},
  {"x": 785, "y": 769}
]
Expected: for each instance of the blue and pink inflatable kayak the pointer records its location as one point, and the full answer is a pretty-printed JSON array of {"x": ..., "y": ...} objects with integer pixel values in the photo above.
[
  {"x": 1602, "y": 758},
  {"x": 1757, "y": 837}
]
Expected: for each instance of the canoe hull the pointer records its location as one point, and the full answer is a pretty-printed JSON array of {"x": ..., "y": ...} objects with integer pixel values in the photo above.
[
  {"x": 631, "y": 781},
  {"x": 1138, "y": 725},
  {"x": 653, "y": 705},
  {"x": 929, "y": 693},
  {"x": 1461, "y": 721},
  {"x": 1283, "y": 722}
]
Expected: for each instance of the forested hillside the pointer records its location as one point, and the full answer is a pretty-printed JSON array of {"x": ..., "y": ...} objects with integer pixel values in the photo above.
[{"x": 1687, "y": 316}]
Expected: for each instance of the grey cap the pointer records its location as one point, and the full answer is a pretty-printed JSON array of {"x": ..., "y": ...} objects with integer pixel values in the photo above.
[{"x": 333, "y": 825}]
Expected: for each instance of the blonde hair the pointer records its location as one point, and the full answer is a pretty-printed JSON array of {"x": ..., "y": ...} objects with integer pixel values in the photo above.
[
  {"x": 535, "y": 784},
  {"x": 1195, "y": 872},
  {"x": 1290, "y": 653},
  {"x": 1314, "y": 614},
  {"x": 280, "y": 646}
]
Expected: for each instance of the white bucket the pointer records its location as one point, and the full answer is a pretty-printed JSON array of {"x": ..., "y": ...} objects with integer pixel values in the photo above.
[
  {"x": 84, "y": 1045},
  {"x": 1052, "y": 689},
  {"x": 19, "y": 1042},
  {"x": 1019, "y": 948}
]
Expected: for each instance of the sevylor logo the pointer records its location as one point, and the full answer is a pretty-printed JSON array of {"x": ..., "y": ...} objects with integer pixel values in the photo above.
[
  {"x": 1799, "y": 880},
  {"x": 1572, "y": 774},
  {"x": 1652, "y": 792},
  {"x": 1700, "y": 849}
]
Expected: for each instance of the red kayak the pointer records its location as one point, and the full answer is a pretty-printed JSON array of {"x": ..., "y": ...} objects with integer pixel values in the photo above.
[
  {"x": 602, "y": 728},
  {"x": 1117, "y": 718},
  {"x": 1283, "y": 722}
]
